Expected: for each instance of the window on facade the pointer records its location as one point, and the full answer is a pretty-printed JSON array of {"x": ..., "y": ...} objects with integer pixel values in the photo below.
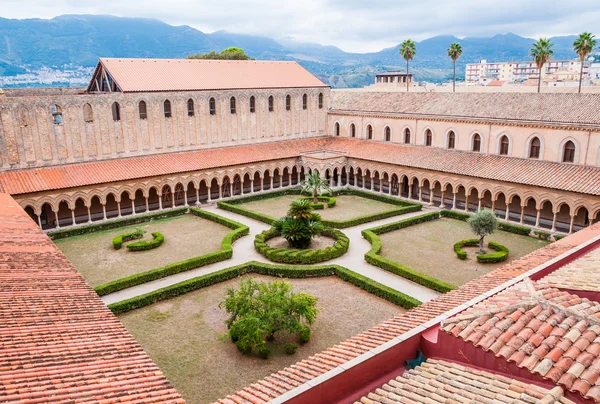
[
  {"x": 57, "y": 115},
  {"x": 88, "y": 114},
  {"x": 388, "y": 133},
  {"x": 116, "y": 111},
  {"x": 428, "y": 138},
  {"x": 212, "y": 106},
  {"x": 271, "y": 106},
  {"x": 369, "y": 132},
  {"x": 451, "y": 140},
  {"x": 569, "y": 152},
  {"x": 142, "y": 110},
  {"x": 534, "y": 148},
  {"x": 504, "y": 143},
  {"x": 337, "y": 129},
  {"x": 352, "y": 130},
  {"x": 252, "y": 104},
  {"x": 304, "y": 101},
  {"x": 167, "y": 108},
  {"x": 190, "y": 105},
  {"x": 232, "y": 105},
  {"x": 288, "y": 102},
  {"x": 407, "y": 136},
  {"x": 476, "y": 143},
  {"x": 320, "y": 100}
]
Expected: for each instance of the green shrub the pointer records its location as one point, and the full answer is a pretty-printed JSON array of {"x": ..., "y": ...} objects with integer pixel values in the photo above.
[
  {"x": 558, "y": 237},
  {"x": 264, "y": 352},
  {"x": 157, "y": 240},
  {"x": 542, "y": 235},
  {"x": 455, "y": 215},
  {"x": 329, "y": 200},
  {"x": 118, "y": 241},
  {"x": 286, "y": 271},
  {"x": 304, "y": 335},
  {"x": 290, "y": 349},
  {"x": 113, "y": 224},
  {"x": 460, "y": 253},
  {"x": 500, "y": 255}
]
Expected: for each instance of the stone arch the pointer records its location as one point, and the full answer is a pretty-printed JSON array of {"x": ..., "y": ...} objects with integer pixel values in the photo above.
[
  {"x": 257, "y": 178},
  {"x": 337, "y": 131},
  {"x": 81, "y": 211},
  {"x": 529, "y": 144},
  {"x": 476, "y": 142},
  {"x": 369, "y": 131},
  {"x": 266, "y": 180},
  {"x": 427, "y": 136},
  {"x": 387, "y": 133},
  {"x": 563, "y": 217},
  {"x": 214, "y": 189},
  {"x": 352, "y": 129},
  {"x": 451, "y": 139},
  {"x": 406, "y": 135},
  {"x": 562, "y": 149},
  {"x": 88, "y": 113},
  {"x": 500, "y": 142},
  {"x": 179, "y": 195}
]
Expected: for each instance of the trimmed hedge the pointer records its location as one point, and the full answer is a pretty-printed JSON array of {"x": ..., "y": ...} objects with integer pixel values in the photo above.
[
  {"x": 285, "y": 271},
  {"x": 307, "y": 256},
  {"x": 511, "y": 228},
  {"x": 401, "y": 208},
  {"x": 500, "y": 255},
  {"x": 226, "y": 252},
  {"x": 157, "y": 240},
  {"x": 542, "y": 235},
  {"x": 558, "y": 237},
  {"x": 329, "y": 200},
  {"x": 460, "y": 253},
  {"x": 118, "y": 241},
  {"x": 113, "y": 224},
  {"x": 373, "y": 257}
]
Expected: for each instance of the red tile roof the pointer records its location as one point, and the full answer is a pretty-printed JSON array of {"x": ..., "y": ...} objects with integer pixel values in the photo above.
[
  {"x": 546, "y": 174},
  {"x": 144, "y": 75},
  {"x": 58, "y": 341},
  {"x": 582, "y": 274}
]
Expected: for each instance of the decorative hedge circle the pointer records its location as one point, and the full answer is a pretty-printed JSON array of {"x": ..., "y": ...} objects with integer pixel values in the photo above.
[
  {"x": 308, "y": 256},
  {"x": 500, "y": 255},
  {"x": 157, "y": 240},
  {"x": 329, "y": 200}
]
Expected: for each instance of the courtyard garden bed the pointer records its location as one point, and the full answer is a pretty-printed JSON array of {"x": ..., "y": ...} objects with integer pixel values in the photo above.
[
  {"x": 185, "y": 335},
  {"x": 352, "y": 207},
  {"x": 190, "y": 241}
]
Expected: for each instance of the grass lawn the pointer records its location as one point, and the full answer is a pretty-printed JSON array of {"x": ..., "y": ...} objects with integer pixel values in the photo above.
[
  {"x": 428, "y": 248},
  {"x": 185, "y": 335},
  {"x": 186, "y": 237},
  {"x": 347, "y": 207}
]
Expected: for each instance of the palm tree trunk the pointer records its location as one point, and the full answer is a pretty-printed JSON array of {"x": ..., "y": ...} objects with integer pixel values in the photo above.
[
  {"x": 580, "y": 77},
  {"x": 540, "y": 80},
  {"x": 315, "y": 195},
  {"x": 454, "y": 79},
  {"x": 407, "y": 75}
]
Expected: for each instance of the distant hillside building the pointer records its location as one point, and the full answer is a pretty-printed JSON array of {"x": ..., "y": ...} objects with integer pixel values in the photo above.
[
  {"x": 485, "y": 72},
  {"x": 393, "y": 78}
]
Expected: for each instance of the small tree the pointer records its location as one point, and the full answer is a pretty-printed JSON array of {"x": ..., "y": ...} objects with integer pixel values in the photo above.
[
  {"x": 315, "y": 185},
  {"x": 257, "y": 311},
  {"x": 231, "y": 53},
  {"x": 300, "y": 225},
  {"x": 483, "y": 223}
]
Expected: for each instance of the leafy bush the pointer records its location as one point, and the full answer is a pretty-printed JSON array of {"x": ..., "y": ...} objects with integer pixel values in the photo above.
[
  {"x": 329, "y": 200},
  {"x": 287, "y": 271},
  {"x": 304, "y": 335},
  {"x": 542, "y": 235},
  {"x": 300, "y": 225},
  {"x": 257, "y": 311},
  {"x": 290, "y": 349},
  {"x": 314, "y": 185},
  {"x": 157, "y": 240}
]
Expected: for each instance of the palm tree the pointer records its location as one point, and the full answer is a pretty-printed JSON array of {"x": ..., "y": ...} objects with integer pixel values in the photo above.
[
  {"x": 454, "y": 51},
  {"x": 315, "y": 185},
  {"x": 541, "y": 53},
  {"x": 583, "y": 45},
  {"x": 408, "y": 49}
]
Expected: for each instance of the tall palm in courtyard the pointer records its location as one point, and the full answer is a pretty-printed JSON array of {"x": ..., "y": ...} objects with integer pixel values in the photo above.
[
  {"x": 408, "y": 49},
  {"x": 454, "y": 51},
  {"x": 583, "y": 45},
  {"x": 541, "y": 53},
  {"x": 315, "y": 185}
]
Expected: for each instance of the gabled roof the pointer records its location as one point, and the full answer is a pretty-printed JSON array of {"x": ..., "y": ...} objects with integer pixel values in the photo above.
[
  {"x": 152, "y": 75},
  {"x": 582, "y": 274}
]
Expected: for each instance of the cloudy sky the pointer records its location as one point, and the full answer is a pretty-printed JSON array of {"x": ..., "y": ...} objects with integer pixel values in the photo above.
[{"x": 353, "y": 25}]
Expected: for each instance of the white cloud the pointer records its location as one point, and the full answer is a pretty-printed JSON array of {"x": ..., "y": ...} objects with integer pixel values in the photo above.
[{"x": 353, "y": 25}]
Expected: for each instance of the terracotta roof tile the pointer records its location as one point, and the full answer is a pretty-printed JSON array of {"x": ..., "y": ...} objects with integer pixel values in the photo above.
[
  {"x": 581, "y": 274},
  {"x": 438, "y": 381},
  {"x": 143, "y": 75},
  {"x": 59, "y": 342}
]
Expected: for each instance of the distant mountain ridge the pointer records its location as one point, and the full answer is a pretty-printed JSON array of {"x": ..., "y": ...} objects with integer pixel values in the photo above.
[{"x": 78, "y": 40}]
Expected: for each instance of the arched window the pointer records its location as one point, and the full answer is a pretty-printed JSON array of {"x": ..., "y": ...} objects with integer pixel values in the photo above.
[
  {"x": 320, "y": 100},
  {"x": 476, "y": 143},
  {"x": 88, "y": 114},
  {"x": 167, "y": 108},
  {"x": 337, "y": 129},
  {"x": 252, "y": 104},
  {"x": 352, "y": 130},
  {"x": 407, "y": 136},
  {"x": 451, "y": 139},
  {"x": 57, "y": 118},
  {"x": 212, "y": 106},
  {"x": 569, "y": 152},
  {"x": 504, "y": 143},
  {"x": 190, "y": 105},
  {"x": 304, "y": 101},
  {"x": 232, "y": 105},
  {"x": 288, "y": 102},
  {"x": 271, "y": 106},
  {"x": 116, "y": 111},
  {"x": 142, "y": 109},
  {"x": 428, "y": 137},
  {"x": 388, "y": 134},
  {"x": 369, "y": 132},
  {"x": 534, "y": 148}
]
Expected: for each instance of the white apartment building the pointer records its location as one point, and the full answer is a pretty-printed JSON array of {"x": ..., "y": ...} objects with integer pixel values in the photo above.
[{"x": 514, "y": 72}]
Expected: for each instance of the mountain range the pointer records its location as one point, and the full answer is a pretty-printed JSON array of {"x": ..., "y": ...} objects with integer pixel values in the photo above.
[{"x": 71, "y": 41}]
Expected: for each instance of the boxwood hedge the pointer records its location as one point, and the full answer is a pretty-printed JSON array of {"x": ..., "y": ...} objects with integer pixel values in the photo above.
[
  {"x": 501, "y": 253},
  {"x": 157, "y": 240},
  {"x": 511, "y": 228},
  {"x": 118, "y": 241},
  {"x": 285, "y": 271},
  {"x": 226, "y": 252}
]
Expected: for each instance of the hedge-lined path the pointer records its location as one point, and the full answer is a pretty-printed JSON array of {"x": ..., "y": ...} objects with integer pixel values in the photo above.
[{"x": 243, "y": 251}]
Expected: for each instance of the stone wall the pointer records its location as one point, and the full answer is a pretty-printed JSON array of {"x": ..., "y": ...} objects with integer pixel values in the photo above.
[{"x": 30, "y": 137}]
